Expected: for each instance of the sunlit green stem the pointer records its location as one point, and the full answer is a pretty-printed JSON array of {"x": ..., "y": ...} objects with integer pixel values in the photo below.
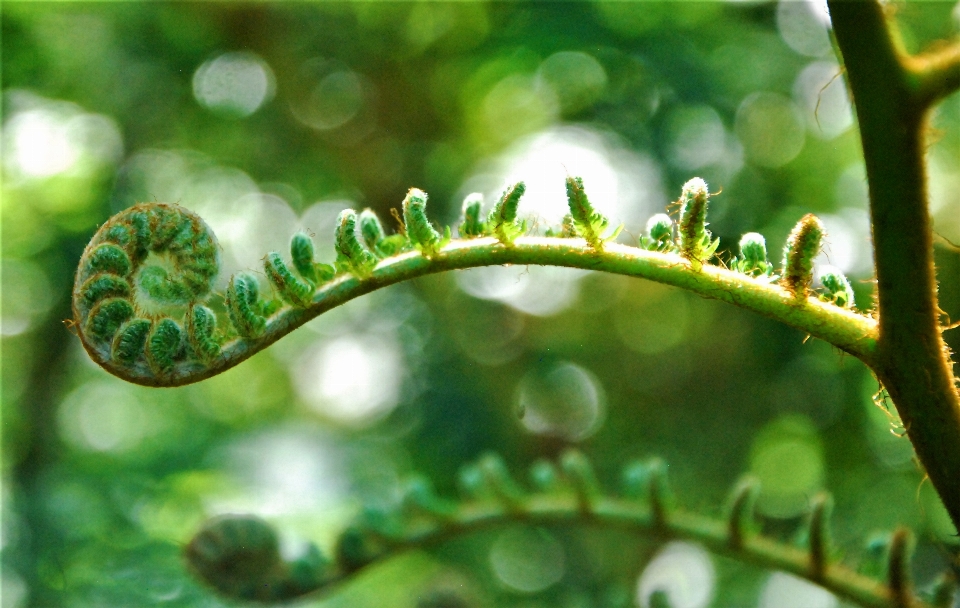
[
  {"x": 854, "y": 333},
  {"x": 637, "y": 517}
]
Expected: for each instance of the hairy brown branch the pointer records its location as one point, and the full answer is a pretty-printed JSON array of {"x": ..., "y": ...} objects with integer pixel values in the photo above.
[{"x": 913, "y": 362}]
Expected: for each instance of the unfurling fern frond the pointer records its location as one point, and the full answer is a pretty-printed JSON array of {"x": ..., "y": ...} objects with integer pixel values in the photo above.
[
  {"x": 141, "y": 294},
  {"x": 238, "y": 555}
]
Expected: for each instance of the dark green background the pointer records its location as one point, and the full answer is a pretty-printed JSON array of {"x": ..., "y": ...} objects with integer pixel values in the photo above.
[{"x": 95, "y": 517}]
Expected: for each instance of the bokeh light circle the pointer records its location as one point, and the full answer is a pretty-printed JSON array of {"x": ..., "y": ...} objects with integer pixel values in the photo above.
[
  {"x": 561, "y": 400},
  {"x": 236, "y": 83},
  {"x": 527, "y": 560},
  {"x": 684, "y": 571},
  {"x": 771, "y": 129},
  {"x": 787, "y": 459},
  {"x": 353, "y": 379},
  {"x": 787, "y": 591},
  {"x": 577, "y": 79}
]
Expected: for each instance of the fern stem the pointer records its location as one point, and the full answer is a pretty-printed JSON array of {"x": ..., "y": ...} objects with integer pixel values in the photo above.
[
  {"x": 682, "y": 525},
  {"x": 631, "y": 516},
  {"x": 854, "y": 333},
  {"x": 912, "y": 360},
  {"x": 572, "y": 495}
]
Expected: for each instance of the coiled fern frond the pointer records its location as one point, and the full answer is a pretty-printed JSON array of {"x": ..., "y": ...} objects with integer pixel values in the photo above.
[
  {"x": 238, "y": 555},
  {"x": 142, "y": 286}
]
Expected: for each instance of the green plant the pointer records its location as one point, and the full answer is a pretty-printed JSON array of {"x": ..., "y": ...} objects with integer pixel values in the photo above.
[
  {"x": 902, "y": 344},
  {"x": 110, "y": 319},
  {"x": 238, "y": 555}
]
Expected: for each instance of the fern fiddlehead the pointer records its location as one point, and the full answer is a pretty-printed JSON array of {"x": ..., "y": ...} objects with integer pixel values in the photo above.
[
  {"x": 141, "y": 290},
  {"x": 659, "y": 235},
  {"x": 240, "y": 557},
  {"x": 586, "y": 221},
  {"x": 237, "y": 555},
  {"x": 144, "y": 260},
  {"x": 421, "y": 232},
  {"x": 753, "y": 256}
]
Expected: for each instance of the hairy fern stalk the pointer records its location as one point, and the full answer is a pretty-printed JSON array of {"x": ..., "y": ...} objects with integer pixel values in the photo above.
[{"x": 144, "y": 281}]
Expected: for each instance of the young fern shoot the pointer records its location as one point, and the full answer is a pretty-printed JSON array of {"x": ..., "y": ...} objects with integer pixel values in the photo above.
[
  {"x": 140, "y": 297},
  {"x": 502, "y": 222},
  {"x": 419, "y": 229},
  {"x": 587, "y": 222},
  {"x": 472, "y": 225},
  {"x": 753, "y": 257},
  {"x": 659, "y": 236},
  {"x": 142, "y": 262},
  {"x": 696, "y": 243},
  {"x": 803, "y": 245},
  {"x": 238, "y": 555}
]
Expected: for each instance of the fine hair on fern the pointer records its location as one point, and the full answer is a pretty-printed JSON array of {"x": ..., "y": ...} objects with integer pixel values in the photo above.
[
  {"x": 695, "y": 241},
  {"x": 144, "y": 280},
  {"x": 803, "y": 245}
]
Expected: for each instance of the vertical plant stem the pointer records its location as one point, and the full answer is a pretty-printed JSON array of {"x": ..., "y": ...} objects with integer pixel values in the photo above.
[{"x": 913, "y": 362}]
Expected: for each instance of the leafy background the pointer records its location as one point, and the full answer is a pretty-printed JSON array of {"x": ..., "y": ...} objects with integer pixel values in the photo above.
[{"x": 266, "y": 118}]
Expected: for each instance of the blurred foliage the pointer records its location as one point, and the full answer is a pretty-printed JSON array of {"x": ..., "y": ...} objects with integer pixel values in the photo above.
[{"x": 265, "y": 118}]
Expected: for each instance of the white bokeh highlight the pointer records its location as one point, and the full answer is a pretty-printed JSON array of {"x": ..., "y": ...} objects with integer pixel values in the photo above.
[
  {"x": 516, "y": 105},
  {"x": 26, "y": 297},
  {"x": 804, "y": 26},
  {"x": 527, "y": 560},
  {"x": 352, "y": 379},
  {"x": 284, "y": 471},
  {"x": 851, "y": 189},
  {"x": 44, "y": 138},
  {"x": 771, "y": 128},
  {"x": 822, "y": 94},
  {"x": 787, "y": 591},
  {"x": 335, "y": 100},
  {"x": 944, "y": 201},
  {"x": 847, "y": 242},
  {"x": 540, "y": 291},
  {"x": 684, "y": 571},
  {"x": 622, "y": 184},
  {"x": 696, "y": 136},
  {"x": 41, "y": 143},
  {"x": 577, "y": 79},
  {"x": 235, "y": 83},
  {"x": 563, "y": 400},
  {"x": 104, "y": 417}
]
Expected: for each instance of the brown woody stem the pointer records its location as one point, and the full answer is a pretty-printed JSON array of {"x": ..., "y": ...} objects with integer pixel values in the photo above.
[{"x": 893, "y": 94}]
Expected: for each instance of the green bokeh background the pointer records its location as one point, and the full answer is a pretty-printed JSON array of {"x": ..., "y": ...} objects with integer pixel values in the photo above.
[{"x": 104, "y": 106}]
